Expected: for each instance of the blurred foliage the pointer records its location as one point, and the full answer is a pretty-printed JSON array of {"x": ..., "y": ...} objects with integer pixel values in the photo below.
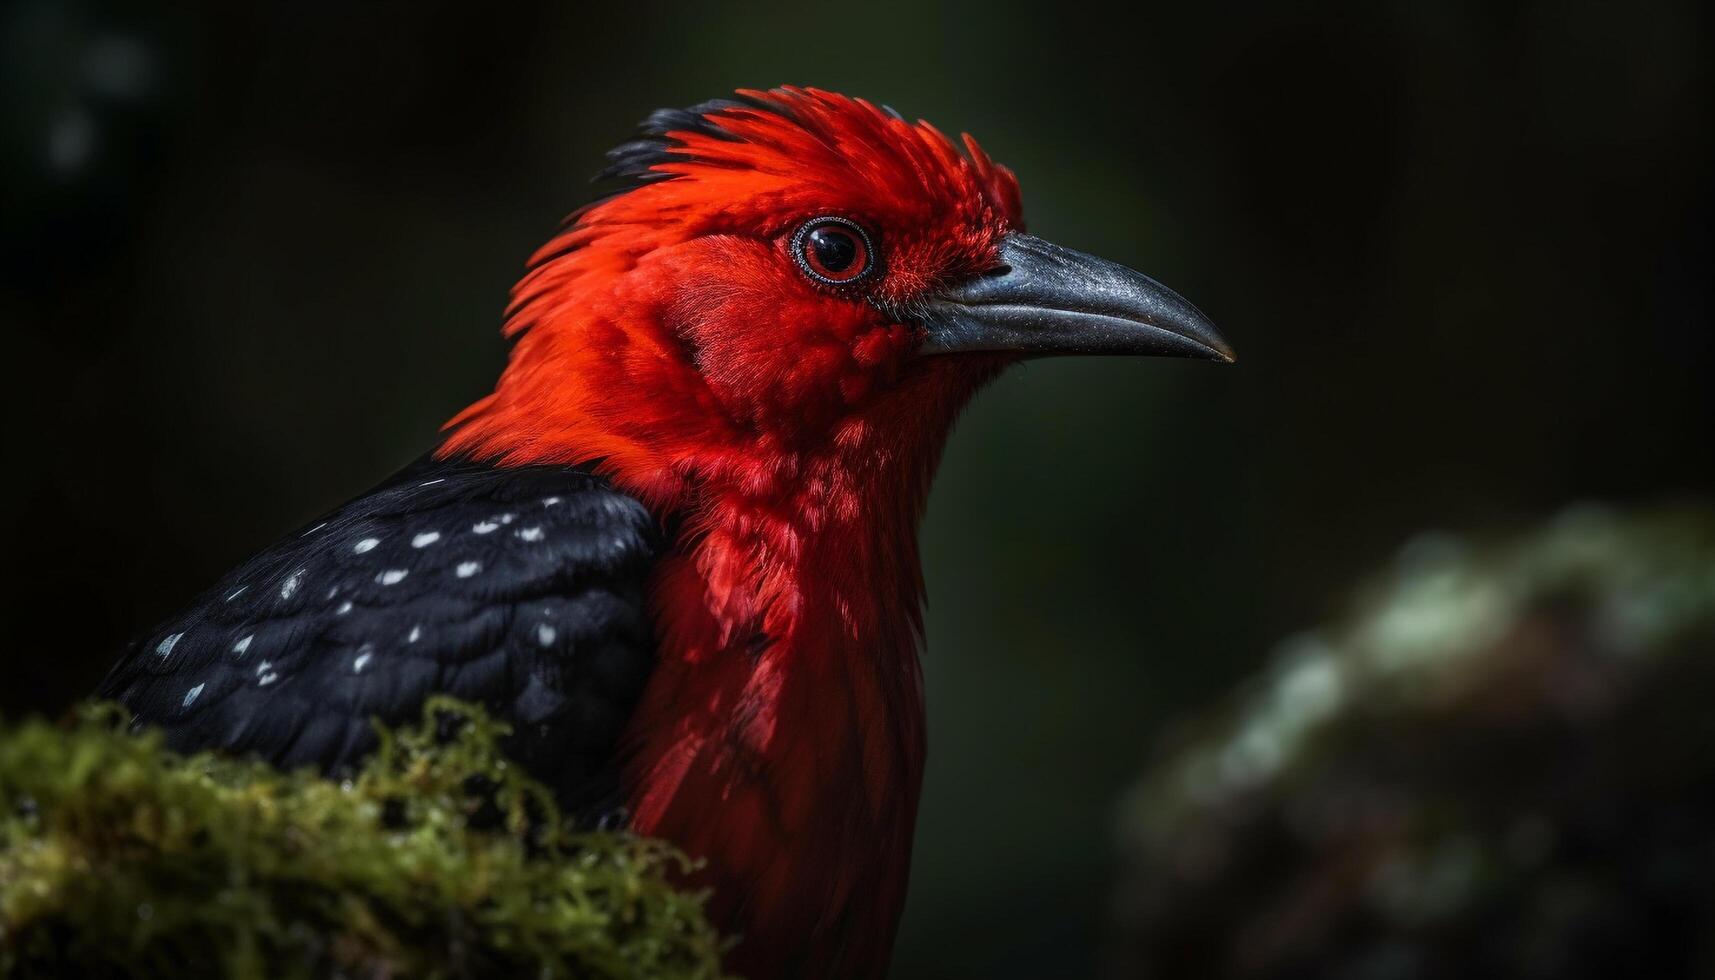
[
  {"x": 1499, "y": 766},
  {"x": 119, "y": 858}
]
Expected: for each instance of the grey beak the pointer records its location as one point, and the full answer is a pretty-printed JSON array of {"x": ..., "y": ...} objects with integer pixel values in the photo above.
[{"x": 1043, "y": 299}]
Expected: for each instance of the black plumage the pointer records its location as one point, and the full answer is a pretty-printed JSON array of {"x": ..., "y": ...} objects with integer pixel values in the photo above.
[
  {"x": 518, "y": 588},
  {"x": 634, "y": 161}
]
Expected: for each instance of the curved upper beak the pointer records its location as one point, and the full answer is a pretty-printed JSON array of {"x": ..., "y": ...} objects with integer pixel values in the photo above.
[{"x": 1043, "y": 299}]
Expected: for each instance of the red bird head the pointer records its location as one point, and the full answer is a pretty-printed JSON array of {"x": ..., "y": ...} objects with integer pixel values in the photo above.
[
  {"x": 786, "y": 260},
  {"x": 767, "y": 337}
]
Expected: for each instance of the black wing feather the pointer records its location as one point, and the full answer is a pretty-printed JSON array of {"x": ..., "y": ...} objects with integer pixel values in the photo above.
[{"x": 519, "y": 588}]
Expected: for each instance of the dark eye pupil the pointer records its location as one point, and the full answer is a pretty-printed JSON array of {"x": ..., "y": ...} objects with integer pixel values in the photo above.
[{"x": 834, "y": 250}]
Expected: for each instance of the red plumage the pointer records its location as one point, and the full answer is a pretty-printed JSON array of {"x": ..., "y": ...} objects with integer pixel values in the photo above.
[{"x": 667, "y": 334}]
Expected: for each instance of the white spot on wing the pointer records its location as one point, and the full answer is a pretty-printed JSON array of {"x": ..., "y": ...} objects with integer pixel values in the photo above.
[
  {"x": 243, "y": 646},
  {"x": 366, "y": 544},
  {"x": 364, "y": 654},
  {"x": 344, "y": 608},
  {"x": 416, "y": 634},
  {"x": 191, "y": 696},
  {"x": 530, "y": 534},
  {"x": 467, "y": 568},
  {"x": 288, "y": 587},
  {"x": 267, "y": 679},
  {"x": 393, "y": 576},
  {"x": 166, "y": 646},
  {"x": 545, "y": 635},
  {"x": 507, "y": 518},
  {"x": 262, "y": 668},
  {"x": 425, "y": 539},
  {"x": 484, "y": 527},
  {"x": 550, "y": 501}
]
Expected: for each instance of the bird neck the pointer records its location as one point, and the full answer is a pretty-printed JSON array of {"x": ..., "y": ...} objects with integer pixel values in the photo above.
[{"x": 781, "y": 737}]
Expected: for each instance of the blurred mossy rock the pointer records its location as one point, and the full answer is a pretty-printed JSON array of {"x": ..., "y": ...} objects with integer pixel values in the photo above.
[
  {"x": 1502, "y": 765},
  {"x": 121, "y": 859}
]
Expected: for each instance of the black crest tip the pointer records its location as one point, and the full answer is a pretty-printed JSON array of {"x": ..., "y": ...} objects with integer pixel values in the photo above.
[{"x": 636, "y": 159}]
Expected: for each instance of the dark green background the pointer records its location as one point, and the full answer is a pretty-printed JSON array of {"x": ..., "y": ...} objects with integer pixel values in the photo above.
[{"x": 252, "y": 256}]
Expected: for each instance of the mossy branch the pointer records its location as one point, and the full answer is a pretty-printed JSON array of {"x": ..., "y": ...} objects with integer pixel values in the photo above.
[{"x": 438, "y": 858}]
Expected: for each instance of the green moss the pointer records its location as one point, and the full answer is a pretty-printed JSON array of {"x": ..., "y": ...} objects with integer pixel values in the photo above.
[{"x": 119, "y": 858}]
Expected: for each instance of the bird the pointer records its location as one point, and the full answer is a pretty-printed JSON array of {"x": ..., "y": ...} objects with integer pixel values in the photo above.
[{"x": 675, "y": 548}]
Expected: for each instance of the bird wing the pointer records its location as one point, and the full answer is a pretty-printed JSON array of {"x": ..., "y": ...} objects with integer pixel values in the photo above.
[{"x": 518, "y": 588}]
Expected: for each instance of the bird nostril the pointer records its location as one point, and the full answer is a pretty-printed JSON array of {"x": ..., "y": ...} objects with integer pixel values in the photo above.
[{"x": 997, "y": 271}]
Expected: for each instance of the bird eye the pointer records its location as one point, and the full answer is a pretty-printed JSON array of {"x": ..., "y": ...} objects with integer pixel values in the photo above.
[{"x": 833, "y": 250}]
